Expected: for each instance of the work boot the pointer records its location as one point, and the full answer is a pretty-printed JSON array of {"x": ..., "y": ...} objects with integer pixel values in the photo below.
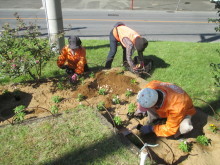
[{"x": 108, "y": 65}]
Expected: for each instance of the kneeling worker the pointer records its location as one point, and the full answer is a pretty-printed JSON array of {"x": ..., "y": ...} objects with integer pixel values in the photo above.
[
  {"x": 162, "y": 100},
  {"x": 73, "y": 58}
]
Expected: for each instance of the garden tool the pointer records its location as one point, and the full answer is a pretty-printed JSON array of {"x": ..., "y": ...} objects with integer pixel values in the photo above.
[
  {"x": 142, "y": 67},
  {"x": 144, "y": 153}
]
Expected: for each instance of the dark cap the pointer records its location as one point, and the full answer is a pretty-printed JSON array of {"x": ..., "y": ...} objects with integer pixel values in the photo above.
[
  {"x": 74, "y": 42},
  {"x": 118, "y": 24},
  {"x": 140, "y": 44}
]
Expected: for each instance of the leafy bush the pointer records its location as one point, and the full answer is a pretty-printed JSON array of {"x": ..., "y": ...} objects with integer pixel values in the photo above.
[
  {"x": 22, "y": 51},
  {"x": 216, "y": 20}
]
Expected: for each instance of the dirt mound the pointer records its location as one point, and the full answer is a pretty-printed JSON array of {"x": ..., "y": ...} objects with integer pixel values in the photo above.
[{"x": 37, "y": 97}]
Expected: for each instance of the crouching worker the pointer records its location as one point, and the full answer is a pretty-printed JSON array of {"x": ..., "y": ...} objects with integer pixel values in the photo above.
[
  {"x": 168, "y": 103},
  {"x": 130, "y": 40},
  {"x": 73, "y": 58}
]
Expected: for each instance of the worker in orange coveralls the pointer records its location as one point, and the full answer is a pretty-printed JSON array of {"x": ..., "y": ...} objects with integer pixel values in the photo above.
[
  {"x": 73, "y": 58},
  {"x": 162, "y": 100},
  {"x": 130, "y": 40}
]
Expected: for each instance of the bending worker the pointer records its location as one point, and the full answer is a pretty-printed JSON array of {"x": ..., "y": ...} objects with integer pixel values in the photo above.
[
  {"x": 73, "y": 58},
  {"x": 167, "y": 101},
  {"x": 130, "y": 40}
]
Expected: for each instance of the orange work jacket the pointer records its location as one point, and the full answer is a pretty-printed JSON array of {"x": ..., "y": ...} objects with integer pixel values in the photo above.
[
  {"x": 75, "y": 62},
  {"x": 124, "y": 31},
  {"x": 177, "y": 104}
]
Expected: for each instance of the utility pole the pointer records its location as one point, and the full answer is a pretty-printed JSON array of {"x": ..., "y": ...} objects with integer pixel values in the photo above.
[{"x": 54, "y": 20}]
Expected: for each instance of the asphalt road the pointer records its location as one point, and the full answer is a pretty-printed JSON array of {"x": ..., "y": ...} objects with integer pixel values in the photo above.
[
  {"x": 165, "y": 24},
  {"x": 164, "y": 5}
]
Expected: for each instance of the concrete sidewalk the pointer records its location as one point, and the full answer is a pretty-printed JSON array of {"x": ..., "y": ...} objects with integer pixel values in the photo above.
[{"x": 166, "y": 5}]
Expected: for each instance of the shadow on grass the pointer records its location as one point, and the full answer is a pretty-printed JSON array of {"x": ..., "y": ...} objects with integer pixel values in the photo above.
[
  {"x": 157, "y": 63},
  {"x": 90, "y": 154}
]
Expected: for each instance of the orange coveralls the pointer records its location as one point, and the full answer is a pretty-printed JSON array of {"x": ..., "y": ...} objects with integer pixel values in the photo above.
[
  {"x": 177, "y": 104},
  {"x": 75, "y": 62}
]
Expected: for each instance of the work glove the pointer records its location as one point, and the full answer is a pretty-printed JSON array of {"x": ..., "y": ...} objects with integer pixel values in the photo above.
[
  {"x": 64, "y": 67},
  {"x": 69, "y": 71},
  {"x": 74, "y": 77},
  {"x": 138, "y": 112},
  {"x": 138, "y": 66},
  {"x": 146, "y": 129}
]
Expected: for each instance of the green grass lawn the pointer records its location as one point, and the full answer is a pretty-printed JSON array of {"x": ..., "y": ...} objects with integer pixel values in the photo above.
[
  {"x": 76, "y": 138},
  {"x": 68, "y": 140}
]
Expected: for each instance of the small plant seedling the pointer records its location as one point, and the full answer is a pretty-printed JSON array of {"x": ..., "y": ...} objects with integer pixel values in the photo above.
[
  {"x": 19, "y": 109},
  {"x": 203, "y": 140},
  {"x": 131, "y": 108},
  {"x": 117, "y": 120},
  {"x": 100, "y": 106},
  {"x": 82, "y": 80},
  {"x": 80, "y": 106},
  {"x": 5, "y": 91},
  {"x": 56, "y": 99},
  {"x": 123, "y": 68},
  {"x": 19, "y": 116},
  {"x": 121, "y": 71},
  {"x": 60, "y": 85},
  {"x": 19, "y": 113},
  {"x": 102, "y": 91},
  {"x": 80, "y": 97},
  {"x": 213, "y": 128},
  {"x": 92, "y": 75},
  {"x": 185, "y": 146},
  {"x": 133, "y": 81},
  {"x": 54, "y": 109},
  {"x": 116, "y": 99},
  {"x": 128, "y": 93}
]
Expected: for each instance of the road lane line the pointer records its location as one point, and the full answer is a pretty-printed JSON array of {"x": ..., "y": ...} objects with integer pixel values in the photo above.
[{"x": 112, "y": 20}]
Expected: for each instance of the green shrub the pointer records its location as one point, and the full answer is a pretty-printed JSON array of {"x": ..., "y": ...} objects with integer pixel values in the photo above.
[{"x": 23, "y": 55}]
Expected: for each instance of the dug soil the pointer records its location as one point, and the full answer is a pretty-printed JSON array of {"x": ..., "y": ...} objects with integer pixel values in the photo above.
[{"x": 37, "y": 98}]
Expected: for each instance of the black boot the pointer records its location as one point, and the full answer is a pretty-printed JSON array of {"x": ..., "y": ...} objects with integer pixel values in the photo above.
[{"x": 108, "y": 64}]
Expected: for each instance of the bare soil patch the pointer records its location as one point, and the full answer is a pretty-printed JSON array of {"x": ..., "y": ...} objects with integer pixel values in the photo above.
[{"x": 37, "y": 98}]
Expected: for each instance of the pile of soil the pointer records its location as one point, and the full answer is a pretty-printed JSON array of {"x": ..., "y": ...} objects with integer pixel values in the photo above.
[{"x": 37, "y": 97}]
